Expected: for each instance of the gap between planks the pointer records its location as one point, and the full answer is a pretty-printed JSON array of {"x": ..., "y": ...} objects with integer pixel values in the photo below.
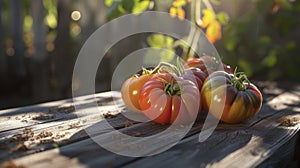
[{"x": 278, "y": 105}]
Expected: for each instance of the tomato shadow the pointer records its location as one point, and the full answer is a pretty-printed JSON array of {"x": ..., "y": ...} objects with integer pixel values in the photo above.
[
  {"x": 85, "y": 145},
  {"x": 256, "y": 137}
]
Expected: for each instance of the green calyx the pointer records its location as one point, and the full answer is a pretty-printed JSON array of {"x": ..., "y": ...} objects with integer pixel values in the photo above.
[
  {"x": 171, "y": 88},
  {"x": 146, "y": 71},
  {"x": 240, "y": 80},
  {"x": 177, "y": 69}
]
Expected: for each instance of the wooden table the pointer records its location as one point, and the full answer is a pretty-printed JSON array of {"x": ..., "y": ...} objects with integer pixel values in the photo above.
[{"x": 53, "y": 135}]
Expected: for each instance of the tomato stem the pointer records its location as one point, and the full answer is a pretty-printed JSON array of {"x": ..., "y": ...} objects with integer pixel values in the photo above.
[
  {"x": 240, "y": 80},
  {"x": 173, "y": 68},
  {"x": 171, "y": 88}
]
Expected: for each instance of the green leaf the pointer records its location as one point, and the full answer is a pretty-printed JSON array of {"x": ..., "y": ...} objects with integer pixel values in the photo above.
[
  {"x": 156, "y": 40},
  {"x": 265, "y": 40},
  {"x": 231, "y": 43},
  {"x": 167, "y": 55},
  {"x": 140, "y": 6},
  {"x": 108, "y": 3},
  {"x": 27, "y": 22},
  {"x": 291, "y": 45},
  {"x": 121, "y": 9},
  {"x": 160, "y": 41},
  {"x": 51, "y": 6},
  {"x": 51, "y": 21},
  {"x": 271, "y": 59},
  {"x": 223, "y": 18},
  {"x": 168, "y": 42},
  {"x": 114, "y": 11},
  {"x": 135, "y": 6}
]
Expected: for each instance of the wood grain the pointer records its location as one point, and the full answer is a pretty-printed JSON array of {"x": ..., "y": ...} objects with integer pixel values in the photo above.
[{"x": 251, "y": 143}]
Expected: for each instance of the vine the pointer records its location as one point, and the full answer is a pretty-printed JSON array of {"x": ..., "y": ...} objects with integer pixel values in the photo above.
[{"x": 202, "y": 14}]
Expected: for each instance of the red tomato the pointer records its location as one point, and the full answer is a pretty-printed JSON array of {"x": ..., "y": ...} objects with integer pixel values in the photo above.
[
  {"x": 232, "y": 98},
  {"x": 130, "y": 91},
  {"x": 208, "y": 64},
  {"x": 169, "y": 99}
]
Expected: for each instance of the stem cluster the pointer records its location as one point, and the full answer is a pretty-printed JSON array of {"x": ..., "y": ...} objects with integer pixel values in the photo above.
[
  {"x": 171, "y": 88},
  {"x": 240, "y": 80}
]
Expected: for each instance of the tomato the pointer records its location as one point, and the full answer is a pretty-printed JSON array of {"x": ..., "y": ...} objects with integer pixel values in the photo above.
[
  {"x": 169, "y": 99},
  {"x": 195, "y": 74},
  {"x": 130, "y": 91},
  {"x": 230, "y": 97},
  {"x": 208, "y": 64}
]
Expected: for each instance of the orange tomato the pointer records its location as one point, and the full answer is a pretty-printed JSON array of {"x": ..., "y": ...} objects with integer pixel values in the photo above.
[{"x": 130, "y": 91}]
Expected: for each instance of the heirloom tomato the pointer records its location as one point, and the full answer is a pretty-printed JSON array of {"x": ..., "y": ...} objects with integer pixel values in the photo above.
[
  {"x": 130, "y": 91},
  {"x": 166, "y": 98},
  {"x": 208, "y": 64},
  {"x": 195, "y": 74},
  {"x": 230, "y": 97}
]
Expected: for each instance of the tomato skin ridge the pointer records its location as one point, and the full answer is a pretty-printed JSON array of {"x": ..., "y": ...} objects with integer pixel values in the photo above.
[
  {"x": 239, "y": 105},
  {"x": 208, "y": 64},
  {"x": 173, "y": 96},
  {"x": 130, "y": 91},
  {"x": 179, "y": 108}
]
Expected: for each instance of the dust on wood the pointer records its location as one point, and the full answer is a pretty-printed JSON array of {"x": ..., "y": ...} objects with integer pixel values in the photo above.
[
  {"x": 10, "y": 164},
  {"x": 44, "y": 117},
  {"x": 66, "y": 109},
  {"x": 289, "y": 121},
  {"x": 109, "y": 115},
  {"x": 128, "y": 123},
  {"x": 79, "y": 148}
]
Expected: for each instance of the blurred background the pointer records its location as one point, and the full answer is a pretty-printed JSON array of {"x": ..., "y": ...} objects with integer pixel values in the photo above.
[{"x": 40, "y": 40}]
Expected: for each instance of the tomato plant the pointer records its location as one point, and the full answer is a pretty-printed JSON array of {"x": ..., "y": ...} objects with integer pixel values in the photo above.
[
  {"x": 230, "y": 97},
  {"x": 208, "y": 64},
  {"x": 166, "y": 98}
]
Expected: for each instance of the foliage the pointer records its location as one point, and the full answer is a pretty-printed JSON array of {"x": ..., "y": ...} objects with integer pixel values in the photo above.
[
  {"x": 260, "y": 42},
  {"x": 117, "y": 8},
  {"x": 177, "y": 9},
  {"x": 210, "y": 21},
  {"x": 263, "y": 42},
  {"x": 165, "y": 48}
]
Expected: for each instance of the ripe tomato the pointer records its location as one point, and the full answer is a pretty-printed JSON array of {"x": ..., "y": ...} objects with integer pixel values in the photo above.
[
  {"x": 230, "y": 97},
  {"x": 130, "y": 91},
  {"x": 195, "y": 74},
  {"x": 169, "y": 99},
  {"x": 208, "y": 64}
]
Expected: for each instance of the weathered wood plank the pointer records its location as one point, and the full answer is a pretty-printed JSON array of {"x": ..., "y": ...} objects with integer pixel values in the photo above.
[
  {"x": 46, "y": 136},
  {"x": 58, "y": 130},
  {"x": 236, "y": 138},
  {"x": 247, "y": 147},
  {"x": 60, "y": 110},
  {"x": 284, "y": 156},
  {"x": 53, "y": 112}
]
